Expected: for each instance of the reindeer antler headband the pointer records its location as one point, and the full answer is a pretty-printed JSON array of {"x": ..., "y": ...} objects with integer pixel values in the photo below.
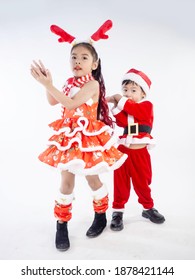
[{"x": 99, "y": 34}]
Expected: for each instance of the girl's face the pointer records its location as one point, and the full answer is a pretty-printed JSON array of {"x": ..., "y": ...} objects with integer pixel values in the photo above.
[
  {"x": 82, "y": 62},
  {"x": 133, "y": 92}
]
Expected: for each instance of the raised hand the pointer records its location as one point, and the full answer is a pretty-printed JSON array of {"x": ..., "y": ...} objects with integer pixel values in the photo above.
[{"x": 40, "y": 73}]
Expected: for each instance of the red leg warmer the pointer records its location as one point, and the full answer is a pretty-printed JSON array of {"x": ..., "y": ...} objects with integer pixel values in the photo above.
[
  {"x": 63, "y": 212},
  {"x": 100, "y": 205}
]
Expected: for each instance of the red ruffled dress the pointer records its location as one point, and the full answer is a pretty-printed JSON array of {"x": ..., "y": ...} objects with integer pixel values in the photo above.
[{"x": 81, "y": 144}]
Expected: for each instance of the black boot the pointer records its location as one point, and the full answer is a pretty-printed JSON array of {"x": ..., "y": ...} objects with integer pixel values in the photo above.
[
  {"x": 153, "y": 215},
  {"x": 62, "y": 240},
  {"x": 117, "y": 221},
  {"x": 98, "y": 225}
]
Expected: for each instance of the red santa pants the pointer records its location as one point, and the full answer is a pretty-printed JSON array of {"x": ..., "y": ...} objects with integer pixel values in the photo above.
[{"x": 137, "y": 168}]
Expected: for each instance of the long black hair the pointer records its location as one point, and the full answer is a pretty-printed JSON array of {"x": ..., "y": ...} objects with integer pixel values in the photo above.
[{"x": 103, "y": 110}]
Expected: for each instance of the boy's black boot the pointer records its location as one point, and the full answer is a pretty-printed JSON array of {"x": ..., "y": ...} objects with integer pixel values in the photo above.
[
  {"x": 117, "y": 221},
  {"x": 153, "y": 215},
  {"x": 98, "y": 225},
  {"x": 62, "y": 240}
]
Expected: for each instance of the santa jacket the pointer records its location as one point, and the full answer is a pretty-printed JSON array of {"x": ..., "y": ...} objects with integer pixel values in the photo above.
[{"x": 128, "y": 113}]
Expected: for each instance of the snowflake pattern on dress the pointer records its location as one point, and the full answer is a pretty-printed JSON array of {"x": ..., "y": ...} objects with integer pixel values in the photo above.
[{"x": 82, "y": 144}]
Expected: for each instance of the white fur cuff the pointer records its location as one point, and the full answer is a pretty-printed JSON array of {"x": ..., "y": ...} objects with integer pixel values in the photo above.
[
  {"x": 100, "y": 193},
  {"x": 65, "y": 199}
]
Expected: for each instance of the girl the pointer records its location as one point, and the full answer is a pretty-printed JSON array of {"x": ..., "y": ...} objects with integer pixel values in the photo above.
[{"x": 82, "y": 141}]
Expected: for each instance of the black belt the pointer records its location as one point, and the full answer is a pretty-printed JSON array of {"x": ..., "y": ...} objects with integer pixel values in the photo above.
[{"x": 135, "y": 129}]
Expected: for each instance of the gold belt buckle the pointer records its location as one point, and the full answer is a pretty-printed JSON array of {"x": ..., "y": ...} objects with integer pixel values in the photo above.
[{"x": 133, "y": 129}]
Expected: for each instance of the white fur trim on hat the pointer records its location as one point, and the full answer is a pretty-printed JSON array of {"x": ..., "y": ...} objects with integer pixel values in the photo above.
[{"x": 139, "y": 78}]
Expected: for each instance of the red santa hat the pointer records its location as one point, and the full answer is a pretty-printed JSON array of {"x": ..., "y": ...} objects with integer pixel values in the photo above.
[{"x": 139, "y": 78}]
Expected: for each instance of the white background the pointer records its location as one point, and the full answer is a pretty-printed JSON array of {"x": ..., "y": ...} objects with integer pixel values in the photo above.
[{"x": 156, "y": 37}]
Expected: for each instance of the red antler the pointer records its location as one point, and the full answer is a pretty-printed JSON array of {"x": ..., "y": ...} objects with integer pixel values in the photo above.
[
  {"x": 64, "y": 36},
  {"x": 100, "y": 33}
]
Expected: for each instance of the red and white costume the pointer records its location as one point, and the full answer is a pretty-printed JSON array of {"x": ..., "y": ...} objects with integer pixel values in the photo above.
[
  {"x": 81, "y": 144},
  {"x": 137, "y": 168},
  {"x": 129, "y": 112}
]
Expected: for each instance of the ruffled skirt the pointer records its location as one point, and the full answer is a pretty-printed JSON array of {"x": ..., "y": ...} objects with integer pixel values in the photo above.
[{"x": 82, "y": 146}]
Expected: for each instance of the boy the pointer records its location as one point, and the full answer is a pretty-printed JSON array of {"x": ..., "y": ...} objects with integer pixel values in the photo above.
[{"x": 133, "y": 112}]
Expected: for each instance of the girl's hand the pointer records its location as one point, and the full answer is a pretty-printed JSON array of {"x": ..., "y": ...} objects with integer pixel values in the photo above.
[
  {"x": 114, "y": 99},
  {"x": 110, "y": 99},
  {"x": 40, "y": 73}
]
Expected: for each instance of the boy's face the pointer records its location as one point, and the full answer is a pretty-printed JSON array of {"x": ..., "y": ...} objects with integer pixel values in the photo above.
[{"x": 133, "y": 92}]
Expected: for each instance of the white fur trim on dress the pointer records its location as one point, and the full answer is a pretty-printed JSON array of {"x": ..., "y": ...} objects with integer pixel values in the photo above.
[
  {"x": 77, "y": 166},
  {"x": 83, "y": 123},
  {"x": 107, "y": 146}
]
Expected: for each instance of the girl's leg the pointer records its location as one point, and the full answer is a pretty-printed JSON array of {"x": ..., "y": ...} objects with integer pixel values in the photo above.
[
  {"x": 63, "y": 203},
  {"x": 67, "y": 182},
  {"x": 100, "y": 205},
  {"x": 62, "y": 210}
]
